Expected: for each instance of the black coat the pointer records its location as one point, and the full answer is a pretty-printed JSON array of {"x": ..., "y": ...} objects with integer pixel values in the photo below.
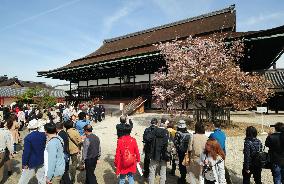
[
  {"x": 276, "y": 150},
  {"x": 251, "y": 147},
  {"x": 158, "y": 140}
]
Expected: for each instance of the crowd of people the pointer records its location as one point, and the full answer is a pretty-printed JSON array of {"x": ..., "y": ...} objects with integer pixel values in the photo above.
[
  {"x": 61, "y": 141},
  {"x": 200, "y": 156},
  {"x": 56, "y": 137}
]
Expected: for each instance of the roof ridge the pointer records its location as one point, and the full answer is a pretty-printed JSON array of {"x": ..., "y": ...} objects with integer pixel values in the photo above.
[{"x": 230, "y": 8}]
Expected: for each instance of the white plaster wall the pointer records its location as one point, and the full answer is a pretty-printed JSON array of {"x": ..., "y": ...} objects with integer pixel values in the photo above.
[
  {"x": 141, "y": 78},
  {"x": 92, "y": 82},
  {"x": 102, "y": 81},
  {"x": 82, "y": 83},
  {"x": 114, "y": 80}
]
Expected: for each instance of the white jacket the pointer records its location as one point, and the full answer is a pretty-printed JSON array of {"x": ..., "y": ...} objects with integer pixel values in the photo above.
[{"x": 218, "y": 169}]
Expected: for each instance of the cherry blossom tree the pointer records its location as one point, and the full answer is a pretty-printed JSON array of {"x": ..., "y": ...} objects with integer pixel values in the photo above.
[{"x": 207, "y": 69}]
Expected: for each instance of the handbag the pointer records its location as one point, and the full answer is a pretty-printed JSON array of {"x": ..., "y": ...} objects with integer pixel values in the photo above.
[{"x": 186, "y": 160}]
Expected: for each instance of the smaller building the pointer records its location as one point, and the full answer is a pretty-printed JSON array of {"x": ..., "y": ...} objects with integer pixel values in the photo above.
[{"x": 10, "y": 88}]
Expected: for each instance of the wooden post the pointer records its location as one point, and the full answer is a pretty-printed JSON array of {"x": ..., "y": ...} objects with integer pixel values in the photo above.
[{"x": 120, "y": 76}]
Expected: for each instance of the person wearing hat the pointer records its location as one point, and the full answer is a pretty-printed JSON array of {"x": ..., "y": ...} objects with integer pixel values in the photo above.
[
  {"x": 275, "y": 143},
  {"x": 181, "y": 141},
  {"x": 33, "y": 154}
]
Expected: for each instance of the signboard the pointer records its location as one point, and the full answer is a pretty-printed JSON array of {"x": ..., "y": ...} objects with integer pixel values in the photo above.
[
  {"x": 1, "y": 116},
  {"x": 261, "y": 109}
]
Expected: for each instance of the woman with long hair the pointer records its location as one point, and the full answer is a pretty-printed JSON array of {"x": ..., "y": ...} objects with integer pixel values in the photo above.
[
  {"x": 195, "y": 149},
  {"x": 13, "y": 126},
  {"x": 212, "y": 162},
  {"x": 252, "y": 145}
]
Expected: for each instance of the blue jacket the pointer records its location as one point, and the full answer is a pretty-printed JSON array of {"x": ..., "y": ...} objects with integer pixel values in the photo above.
[
  {"x": 56, "y": 161},
  {"x": 34, "y": 145},
  {"x": 79, "y": 125},
  {"x": 220, "y": 136}
]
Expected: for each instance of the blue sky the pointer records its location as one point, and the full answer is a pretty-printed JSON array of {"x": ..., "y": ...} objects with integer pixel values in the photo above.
[{"x": 38, "y": 35}]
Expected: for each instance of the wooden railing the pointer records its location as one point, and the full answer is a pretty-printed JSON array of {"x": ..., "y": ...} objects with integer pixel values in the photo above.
[{"x": 133, "y": 105}]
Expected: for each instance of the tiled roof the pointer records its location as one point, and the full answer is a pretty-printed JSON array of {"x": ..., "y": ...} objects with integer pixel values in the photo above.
[
  {"x": 8, "y": 91},
  {"x": 142, "y": 42},
  {"x": 276, "y": 77},
  {"x": 12, "y": 81}
]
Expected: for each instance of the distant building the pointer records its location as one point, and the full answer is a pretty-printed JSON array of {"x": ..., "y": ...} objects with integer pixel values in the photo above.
[{"x": 10, "y": 88}]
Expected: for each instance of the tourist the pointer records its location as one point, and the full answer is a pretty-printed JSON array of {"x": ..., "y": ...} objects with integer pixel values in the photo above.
[
  {"x": 33, "y": 154},
  {"x": 252, "y": 145},
  {"x": 126, "y": 158},
  {"x": 275, "y": 143},
  {"x": 158, "y": 139},
  {"x": 54, "y": 155},
  {"x": 64, "y": 137},
  {"x": 182, "y": 139},
  {"x": 212, "y": 162},
  {"x": 75, "y": 143},
  {"x": 122, "y": 128},
  {"x": 172, "y": 133},
  {"x": 219, "y": 135},
  {"x": 13, "y": 126},
  {"x": 21, "y": 118},
  {"x": 147, "y": 146},
  {"x": 79, "y": 125},
  {"x": 5, "y": 142},
  {"x": 102, "y": 110},
  {"x": 41, "y": 122},
  {"x": 195, "y": 148},
  {"x": 91, "y": 154}
]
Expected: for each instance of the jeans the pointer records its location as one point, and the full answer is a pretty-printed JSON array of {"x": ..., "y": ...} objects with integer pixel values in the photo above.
[
  {"x": 256, "y": 175},
  {"x": 90, "y": 165},
  {"x": 129, "y": 176},
  {"x": 163, "y": 171},
  {"x": 277, "y": 173},
  {"x": 27, "y": 174}
]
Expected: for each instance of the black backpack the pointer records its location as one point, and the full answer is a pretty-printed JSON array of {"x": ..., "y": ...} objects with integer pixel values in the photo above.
[
  {"x": 184, "y": 141},
  {"x": 261, "y": 159}
]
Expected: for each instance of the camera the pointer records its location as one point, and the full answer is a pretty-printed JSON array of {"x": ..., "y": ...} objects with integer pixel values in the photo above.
[{"x": 206, "y": 168}]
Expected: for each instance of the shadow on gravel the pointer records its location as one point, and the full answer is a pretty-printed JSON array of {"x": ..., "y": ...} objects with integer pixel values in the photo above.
[
  {"x": 110, "y": 176},
  {"x": 234, "y": 177}
]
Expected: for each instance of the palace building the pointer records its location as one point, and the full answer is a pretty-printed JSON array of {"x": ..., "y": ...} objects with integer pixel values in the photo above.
[{"x": 123, "y": 67}]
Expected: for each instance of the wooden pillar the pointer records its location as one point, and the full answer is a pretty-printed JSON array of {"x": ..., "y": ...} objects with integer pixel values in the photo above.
[
  {"x": 134, "y": 88},
  {"x": 79, "y": 92},
  {"x": 70, "y": 88},
  {"x": 149, "y": 87},
  {"x": 108, "y": 91},
  {"x": 87, "y": 89},
  {"x": 120, "y": 88}
]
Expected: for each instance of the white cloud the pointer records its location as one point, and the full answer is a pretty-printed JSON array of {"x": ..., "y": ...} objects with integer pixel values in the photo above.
[
  {"x": 38, "y": 15},
  {"x": 180, "y": 9},
  {"x": 122, "y": 12},
  {"x": 261, "y": 20}
]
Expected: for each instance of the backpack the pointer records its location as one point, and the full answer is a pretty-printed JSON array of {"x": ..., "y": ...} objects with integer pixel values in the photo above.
[
  {"x": 184, "y": 141},
  {"x": 128, "y": 158},
  {"x": 261, "y": 159}
]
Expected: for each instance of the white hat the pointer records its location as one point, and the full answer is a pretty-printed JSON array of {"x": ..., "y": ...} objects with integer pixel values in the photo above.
[
  {"x": 33, "y": 124},
  {"x": 181, "y": 124}
]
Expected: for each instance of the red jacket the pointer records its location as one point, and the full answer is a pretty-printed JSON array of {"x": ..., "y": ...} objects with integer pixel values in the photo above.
[{"x": 123, "y": 141}]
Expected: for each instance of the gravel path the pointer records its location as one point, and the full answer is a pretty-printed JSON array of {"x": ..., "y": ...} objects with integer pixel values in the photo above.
[{"x": 105, "y": 170}]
